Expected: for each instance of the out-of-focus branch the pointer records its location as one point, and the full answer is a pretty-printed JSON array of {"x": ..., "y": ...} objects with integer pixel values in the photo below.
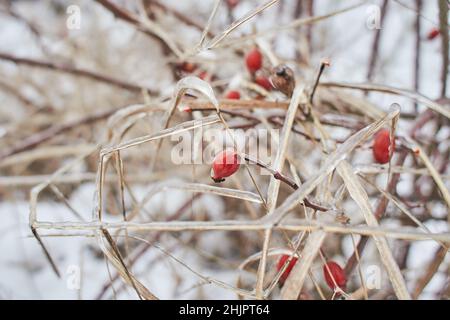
[
  {"x": 430, "y": 271},
  {"x": 74, "y": 71},
  {"x": 127, "y": 16},
  {"x": 12, "y": 90},
  {"x": 45, "y": 135},
  {"x": 177, "y": 14},
  {"x": 417, "y": 49},
  {"x": 376, "y": 43},
  {"x": 443, "y": 18}
]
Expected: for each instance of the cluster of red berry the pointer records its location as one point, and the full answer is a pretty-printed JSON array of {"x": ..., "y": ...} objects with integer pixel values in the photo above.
[
  {"x": 189, "y": 67},
  {"x": 226, "y": 163},
  {"x": 253, "y": 62},
  {"x": 332, "y": 272}
]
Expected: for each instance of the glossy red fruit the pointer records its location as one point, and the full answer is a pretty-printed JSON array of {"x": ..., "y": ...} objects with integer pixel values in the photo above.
[
  {"x": 233, "y": 95},
  {"x": 433, "y": 33},
  {"x": 381, "y": 146},
  {"x": 264, "y": 82},
  {"x": 331, "y": 270},
  {"x": 225, "y": 163},
  {"x": 284, "y": 258},
  {"x": 254, "y": 60}
]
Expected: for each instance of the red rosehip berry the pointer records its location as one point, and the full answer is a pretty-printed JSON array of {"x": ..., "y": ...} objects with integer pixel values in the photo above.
[
  {"x": 381, "y": 146},
  {"x": 203, "y": 75},
  {"x": 433, "y": 33},
  {"x": 331, "y": 270},
  {"x": 232, "y": 3},
  {"x": 284, "y": 258},
  {"x": 264, "y": 82},
  {"x": 186, "y": 109},
  {"x": 254, "y": 60},
  {"x": 188, "y": 67},
  {"x": 233, "y": 95},
  {"x": 225, "y": 163}
]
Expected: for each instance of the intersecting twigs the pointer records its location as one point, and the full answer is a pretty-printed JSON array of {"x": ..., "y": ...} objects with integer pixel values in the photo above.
[
  {"x": 12, "y": 90},
  {"x": 358, "y": 193},
  {"x": 141, "y": 250},
  {"x": 46, "y": 252},
  {"x": 285, "y": 179},
  {"x": 47, "y": 134},
  {"x": 252, "y": 225},
  {"x": 179, "y": 15},
  {"x": 127, "y": 16},
  {"x": 379, "y": 212},
  {"x": 434, "y": 105},
  {"x": 325, "y": 131}
]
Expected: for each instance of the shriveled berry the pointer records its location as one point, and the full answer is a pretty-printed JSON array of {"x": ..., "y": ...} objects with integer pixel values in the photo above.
[
  {"x": 264, "y": 82},
  {"x": 225, "y": 163},
  {"x": 433, "y": 33},
  {"x": 282, "y": 78},
  {"x": 381, "y": 146},
  {"x": 331, "y": 270},
  {"x": 254, "y": 60},
  {"x": 284, "y": 258},
  {"x": 233, "y": 95}
]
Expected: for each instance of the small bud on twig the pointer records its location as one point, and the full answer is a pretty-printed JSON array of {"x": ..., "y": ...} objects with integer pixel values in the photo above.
[{"x": 324, "y": 63}]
